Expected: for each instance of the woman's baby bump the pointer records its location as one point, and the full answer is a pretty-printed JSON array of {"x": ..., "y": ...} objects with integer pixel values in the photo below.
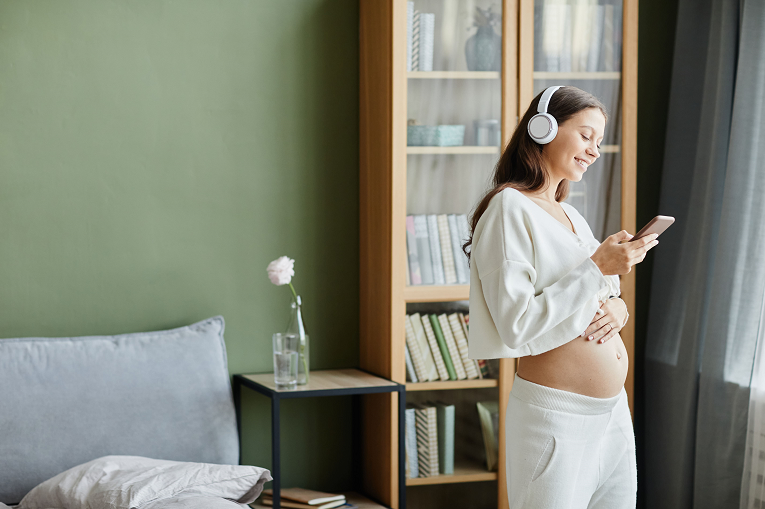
[{"x": 585, "y": 367}]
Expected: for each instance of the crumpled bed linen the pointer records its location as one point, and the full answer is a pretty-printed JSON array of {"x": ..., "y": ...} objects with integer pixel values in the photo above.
[{"x": 134, "y": 482}]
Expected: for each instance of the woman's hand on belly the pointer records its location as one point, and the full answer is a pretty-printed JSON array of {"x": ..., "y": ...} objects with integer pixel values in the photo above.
[{"x": 607, "y": 322}]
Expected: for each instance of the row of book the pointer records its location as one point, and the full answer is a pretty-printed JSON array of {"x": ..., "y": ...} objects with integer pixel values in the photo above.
[
  {"x": 577, "y": 36},
  {"x": 420, "y": 36},
  {"x": 437, "y": 349},
  {"x": 434, "y": 249},
  {"x": 429, "y": 439},
  {"x": 430, "y": 432},
  {"x": 301, "y": 498}
]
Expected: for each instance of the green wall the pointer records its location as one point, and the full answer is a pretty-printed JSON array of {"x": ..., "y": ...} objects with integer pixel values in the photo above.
[{"x": 156, "y": 155}]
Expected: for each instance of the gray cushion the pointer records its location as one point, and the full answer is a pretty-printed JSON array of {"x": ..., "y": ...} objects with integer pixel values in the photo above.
[{"x": 65, "y": 401}]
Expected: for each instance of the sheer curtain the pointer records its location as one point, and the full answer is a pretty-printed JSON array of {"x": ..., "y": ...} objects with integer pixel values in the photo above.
[
  {"x": 706, "y": 308},
  {"x": 752, "y": 492}
]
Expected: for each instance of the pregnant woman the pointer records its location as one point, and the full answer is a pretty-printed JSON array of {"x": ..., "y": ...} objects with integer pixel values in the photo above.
[{"x": 544, "y": 290}]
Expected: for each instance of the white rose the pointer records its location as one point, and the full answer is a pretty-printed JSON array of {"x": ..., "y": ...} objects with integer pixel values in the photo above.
[{"x": 281, "y": 270}]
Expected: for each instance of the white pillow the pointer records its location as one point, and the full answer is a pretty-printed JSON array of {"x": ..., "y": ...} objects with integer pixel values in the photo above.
[{"x": 127, "y": 482}]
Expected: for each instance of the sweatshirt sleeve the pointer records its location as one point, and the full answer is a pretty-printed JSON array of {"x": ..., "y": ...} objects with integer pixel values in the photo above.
[
  {"x": 614, "y": 286},
  {"x": 521, "y": 316}
]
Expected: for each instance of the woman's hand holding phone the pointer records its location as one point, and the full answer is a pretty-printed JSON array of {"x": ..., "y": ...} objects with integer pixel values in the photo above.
[{"x": 616, "y": 257}]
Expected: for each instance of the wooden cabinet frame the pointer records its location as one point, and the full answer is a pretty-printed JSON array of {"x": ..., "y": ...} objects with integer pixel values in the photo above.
[{"x": 382, "y": 210}]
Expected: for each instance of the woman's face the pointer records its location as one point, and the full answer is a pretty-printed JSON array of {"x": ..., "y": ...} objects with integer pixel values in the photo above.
[{"x": 575, "y": 147}]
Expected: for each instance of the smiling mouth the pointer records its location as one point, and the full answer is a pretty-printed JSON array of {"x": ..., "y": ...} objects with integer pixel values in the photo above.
[{"x": 581, "y": 163}]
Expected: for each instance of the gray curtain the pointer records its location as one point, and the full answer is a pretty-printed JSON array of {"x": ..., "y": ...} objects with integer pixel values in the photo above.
[{"x": 709, "y": 269}]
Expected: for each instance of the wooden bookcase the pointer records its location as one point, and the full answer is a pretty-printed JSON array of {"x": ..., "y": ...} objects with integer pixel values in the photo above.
[{"x": 384, "y": 155}]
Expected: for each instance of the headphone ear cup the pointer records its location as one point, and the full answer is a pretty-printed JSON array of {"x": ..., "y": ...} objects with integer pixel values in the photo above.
[{"x": 542, "y": 128}]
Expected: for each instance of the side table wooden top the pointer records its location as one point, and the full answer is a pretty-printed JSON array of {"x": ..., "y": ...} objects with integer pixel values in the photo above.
[{"x": 326, "y": 380}]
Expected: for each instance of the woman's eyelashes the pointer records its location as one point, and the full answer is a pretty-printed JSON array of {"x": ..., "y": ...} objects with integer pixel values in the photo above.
[{"x": 587, "y": 139}]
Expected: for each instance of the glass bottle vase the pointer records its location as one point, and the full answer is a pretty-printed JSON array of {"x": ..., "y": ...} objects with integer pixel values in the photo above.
[
  {"x": 296, "y": 327},
  {"x": 483, "y": 50}
]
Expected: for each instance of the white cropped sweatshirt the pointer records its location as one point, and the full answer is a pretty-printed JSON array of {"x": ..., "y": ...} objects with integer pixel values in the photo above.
[{"x": 533, "y": 285}]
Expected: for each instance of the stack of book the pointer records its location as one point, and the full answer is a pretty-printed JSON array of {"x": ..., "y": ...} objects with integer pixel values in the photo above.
[
  {"x": 578, "y": 37},
  {"x": 437, "y": 349},
  {"x": 420, "y": 36},
  {"x": 300, "y": 498},
  {"x": 429, "y": 441},
  {"x": 434, "y": 249}
]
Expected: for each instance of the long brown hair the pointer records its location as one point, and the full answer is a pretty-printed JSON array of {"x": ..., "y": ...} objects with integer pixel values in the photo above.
[{"x": 521, "y": 165}]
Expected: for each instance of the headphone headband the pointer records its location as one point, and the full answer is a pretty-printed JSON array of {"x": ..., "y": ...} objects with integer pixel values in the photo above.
[{"x": 544, "y": 101}]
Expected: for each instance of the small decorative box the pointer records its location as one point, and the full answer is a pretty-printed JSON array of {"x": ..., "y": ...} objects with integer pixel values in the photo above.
[
  {"x": 438, "y": 136},
  {"x": 449, "y": 135},
  {"x": 420, "y": 135}
]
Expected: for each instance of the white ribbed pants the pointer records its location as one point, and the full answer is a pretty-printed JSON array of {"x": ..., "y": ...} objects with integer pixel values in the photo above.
[{"x": 568, "y": 450}]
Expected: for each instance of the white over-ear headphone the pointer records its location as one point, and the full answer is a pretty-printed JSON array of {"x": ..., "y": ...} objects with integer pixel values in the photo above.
[{"x": 543, "y": 127}]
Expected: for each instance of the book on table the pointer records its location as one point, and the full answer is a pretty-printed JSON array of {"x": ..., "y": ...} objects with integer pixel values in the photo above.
[
  {"x": 298, "y": 505},
  {"x": 309, "y": 497}
]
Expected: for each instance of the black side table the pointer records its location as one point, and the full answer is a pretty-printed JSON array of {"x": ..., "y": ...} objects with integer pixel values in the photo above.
[{"x": 335, "y": 382}]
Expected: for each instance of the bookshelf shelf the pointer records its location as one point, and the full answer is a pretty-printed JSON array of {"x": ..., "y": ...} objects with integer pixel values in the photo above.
[
  {"x": 462, "y": 473},
  {"x": 577, "y": 75},
  {"x": 433, "y": 293},
  {"x": 453, "y": 75},
  {"x": 452, "y": 384},
  {"x": 453, "y": 150},
  {"x": 609, "y": 149}
]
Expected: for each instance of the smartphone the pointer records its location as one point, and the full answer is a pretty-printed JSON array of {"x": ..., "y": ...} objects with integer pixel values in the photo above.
[{"x": 656, "y": 225}]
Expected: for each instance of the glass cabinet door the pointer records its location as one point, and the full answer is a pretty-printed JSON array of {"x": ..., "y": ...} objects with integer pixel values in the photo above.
[
  {"x": 454, "y": 108},
  {"x": 578, "y": 43}
]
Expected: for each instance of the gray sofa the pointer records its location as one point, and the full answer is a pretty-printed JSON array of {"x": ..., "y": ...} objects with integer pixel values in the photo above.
[{"x": 65, "y": 401}]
